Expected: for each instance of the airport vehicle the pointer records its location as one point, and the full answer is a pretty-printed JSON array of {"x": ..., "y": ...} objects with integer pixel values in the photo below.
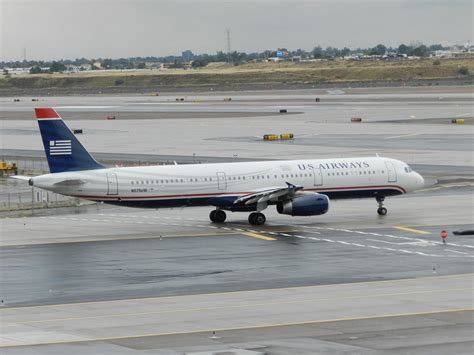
[{"x": 296, "y": 187}]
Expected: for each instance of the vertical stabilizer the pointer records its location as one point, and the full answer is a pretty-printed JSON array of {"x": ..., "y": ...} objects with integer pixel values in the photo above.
[{"x": 63, "y": 151}]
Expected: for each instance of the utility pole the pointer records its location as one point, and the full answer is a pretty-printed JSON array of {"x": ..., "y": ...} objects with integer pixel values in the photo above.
[
  {"x": 227, "y": 31},
  {"x": 24, "y": 54}
]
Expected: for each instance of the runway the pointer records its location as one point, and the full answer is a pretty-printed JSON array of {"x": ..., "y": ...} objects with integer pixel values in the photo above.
[{"x": 114, "y": 280}]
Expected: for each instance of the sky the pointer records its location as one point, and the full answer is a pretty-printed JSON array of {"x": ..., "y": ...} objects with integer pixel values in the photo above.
[{"x": 68, "y": 29}]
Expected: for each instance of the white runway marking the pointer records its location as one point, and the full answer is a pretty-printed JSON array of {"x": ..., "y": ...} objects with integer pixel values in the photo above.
[
  {"x": 403, "y": 136},
  {"x": 455, "y": 251},
  {"x": 386, "y": 235},
  {"x": 402, "y": 243},
  {"x": 84, "y": 107}
]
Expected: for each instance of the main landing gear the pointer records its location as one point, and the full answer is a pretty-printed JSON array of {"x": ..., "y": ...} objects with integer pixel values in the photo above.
[
  {"x": 381, "y": 211},
  {"x": 255, "y": 218},
  {"x": 217, "y": 216}
]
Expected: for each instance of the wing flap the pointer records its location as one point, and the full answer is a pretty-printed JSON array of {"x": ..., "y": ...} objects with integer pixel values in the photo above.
[{"x": 266, "y": 195}]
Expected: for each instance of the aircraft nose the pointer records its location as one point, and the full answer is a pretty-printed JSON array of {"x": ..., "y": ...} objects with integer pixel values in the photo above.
[{"x": 420, "y": 181}]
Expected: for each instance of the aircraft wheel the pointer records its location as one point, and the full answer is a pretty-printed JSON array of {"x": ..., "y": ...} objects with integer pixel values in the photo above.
[
  {"x": 382, "y": 211},
  {"x": 257, "y": 219},
  {"x": 217, "y": 216}
]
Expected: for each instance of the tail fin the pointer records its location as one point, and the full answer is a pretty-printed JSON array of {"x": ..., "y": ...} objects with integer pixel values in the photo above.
[{"x": 63, "y": 151}]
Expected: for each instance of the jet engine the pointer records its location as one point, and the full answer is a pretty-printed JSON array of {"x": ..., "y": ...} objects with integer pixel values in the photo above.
[{"x": 305, "y": 205}]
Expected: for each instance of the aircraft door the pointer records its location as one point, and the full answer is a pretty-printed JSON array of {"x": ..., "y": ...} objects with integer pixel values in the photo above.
[
  {"x": 221, "y": 181},
  {"x": 112, "y": 184},
  {"x": 391, "y": 171},
  {"x": 318, "y": 176}
]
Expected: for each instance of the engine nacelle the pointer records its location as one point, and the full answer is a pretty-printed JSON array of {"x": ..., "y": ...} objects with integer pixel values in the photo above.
[{"x": 306, "y": 205}]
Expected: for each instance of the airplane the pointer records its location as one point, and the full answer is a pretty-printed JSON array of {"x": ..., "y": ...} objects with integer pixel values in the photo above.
[{"x": 296, "y": 187}]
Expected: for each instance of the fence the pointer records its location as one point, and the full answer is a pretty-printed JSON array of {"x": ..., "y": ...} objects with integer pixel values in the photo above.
[{"x": 34, "y": 199}]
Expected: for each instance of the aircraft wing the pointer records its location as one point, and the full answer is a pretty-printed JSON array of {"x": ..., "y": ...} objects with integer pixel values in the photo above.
[{"x": 262, "y": 197}]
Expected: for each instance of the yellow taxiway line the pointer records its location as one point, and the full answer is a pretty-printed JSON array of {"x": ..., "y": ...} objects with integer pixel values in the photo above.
[
  {"x": 417, "y": 231},
  {"x": 438, "y": 277},
  {"x": 258, "y": 326},
  {"x": 259, "y": 236}
]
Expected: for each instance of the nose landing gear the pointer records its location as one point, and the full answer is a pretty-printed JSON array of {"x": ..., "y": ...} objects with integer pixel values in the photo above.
[{"x": 381, "y": 211}]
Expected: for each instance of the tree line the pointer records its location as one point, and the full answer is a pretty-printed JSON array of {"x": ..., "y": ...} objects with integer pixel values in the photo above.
[{"x": 234, "y": 57}]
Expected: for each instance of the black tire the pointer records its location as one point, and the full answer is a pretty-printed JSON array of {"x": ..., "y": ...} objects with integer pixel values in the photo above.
[
  {"x": 217, "y": 216},
  {"x": 257, "y": 219},
  {"x": 212, "y": 216},
  {"x": 382, "y": 211}
]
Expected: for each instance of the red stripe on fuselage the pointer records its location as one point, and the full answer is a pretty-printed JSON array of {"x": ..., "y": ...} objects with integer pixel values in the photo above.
[{"x": 223, "y": 193}]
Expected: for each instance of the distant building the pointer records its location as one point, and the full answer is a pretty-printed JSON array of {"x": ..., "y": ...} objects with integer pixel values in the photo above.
[
  {"x": 72, "y": 68},
  {"x": 187, "y": 56},
  {"x": 153, "y": 65},
  {"x": 274, "y": 59},
  {"x": 85, "y": 66}
]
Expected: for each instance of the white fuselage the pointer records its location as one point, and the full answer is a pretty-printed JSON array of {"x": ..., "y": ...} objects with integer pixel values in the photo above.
[{"x": 193, "y": 185}]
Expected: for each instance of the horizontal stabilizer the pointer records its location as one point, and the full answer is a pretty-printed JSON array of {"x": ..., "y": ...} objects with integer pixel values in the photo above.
[{"x": 21, "y": 177}]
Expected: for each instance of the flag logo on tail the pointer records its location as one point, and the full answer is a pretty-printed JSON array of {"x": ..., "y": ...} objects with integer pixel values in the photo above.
[{"x": 62, "y": 147}]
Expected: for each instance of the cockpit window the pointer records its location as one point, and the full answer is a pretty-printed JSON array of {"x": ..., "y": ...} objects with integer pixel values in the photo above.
[{"x": 408, "y": 169}]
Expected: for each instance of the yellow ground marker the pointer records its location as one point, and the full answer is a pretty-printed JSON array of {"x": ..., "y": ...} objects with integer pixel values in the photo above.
[
  {"x": 259, "y": 236},
  {"x": 417, "y": 231}
]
